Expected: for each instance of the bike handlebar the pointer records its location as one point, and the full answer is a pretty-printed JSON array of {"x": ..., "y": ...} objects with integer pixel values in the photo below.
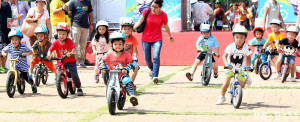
[
  {"x": 100, "y": 53},
  {"x": 199, "y": 51},
  {"x": 61, "y": 58},
  {"x": 228, "y": 67}
]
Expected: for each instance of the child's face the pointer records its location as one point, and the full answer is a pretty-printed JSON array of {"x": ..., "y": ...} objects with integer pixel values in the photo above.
[
  {"x": 258, "y": 34},
  {"x": 275, "y": 28},
  {"x": 127, "y": 30},
  {"x": 206, "y": 34},
  {"x": 118, "y": 45},
  {"x": 291, "y": 36},
  {"x": 40, "y": 4},
  {"x": 40, "y": 37},
  {"x": 62, "y": 35},
  {"x": 239, "y": 39},
  {"x": 15, "y": 41},
  {"x": 102, "y": 30}
]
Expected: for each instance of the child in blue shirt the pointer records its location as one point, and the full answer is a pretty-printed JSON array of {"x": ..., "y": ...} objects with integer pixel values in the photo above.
[
  {"x": 205, "y": 43},
  {"x": 258, "y": 40},
  {"x": 15, "y": 48}
]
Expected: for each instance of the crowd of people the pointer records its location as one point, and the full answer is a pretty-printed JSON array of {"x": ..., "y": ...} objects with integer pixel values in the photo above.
[{"x": 241, "y": 13}]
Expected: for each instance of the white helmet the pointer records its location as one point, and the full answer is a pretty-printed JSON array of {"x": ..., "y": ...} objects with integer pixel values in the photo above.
[
  {"x": 101, "y": 23},
  {"x": 292, "y": 29},
  {"x": 276, "y": 21},
  {"x": 126, "y": 21},
  {"x": 42, "y": 0},
  {"x": 253, "y": 1},
  {"x": 240, "y": 29}
]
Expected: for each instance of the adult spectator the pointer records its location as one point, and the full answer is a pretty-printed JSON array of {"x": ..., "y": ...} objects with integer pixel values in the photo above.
[
  {"x": 243, "y": 12},
  {"x": 152, "y": 35},
  {"x": 82, "y": 20},
  {"x": 231, "y": 14},
  {"x": 201, "y": 12},
  {"x": 272, "y": 11},
  {"x": 58, "y": 11},
  {"x": 23, "y": 9},
  {"x": 41, "y": 15},
  {"x": 254, "y": 11},
  {"x": 5, "y": 12},
  {"x": 219, "y": 14}
]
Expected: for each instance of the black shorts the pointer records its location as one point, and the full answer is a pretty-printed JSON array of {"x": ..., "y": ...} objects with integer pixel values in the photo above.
[{"x": 201, "y": 57}]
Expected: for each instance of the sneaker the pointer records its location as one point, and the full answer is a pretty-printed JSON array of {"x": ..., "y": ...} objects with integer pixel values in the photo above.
[
  {"x": 189, "y": 76},
  {"x": 277, "y": 75},
  {"x": 134, "y": 100},
  {"x": 293, "y": 79},
  {"x": 155, "y": 80},
  {"x": 86, "y": 62},
  {"x": 248, "y": 81},
  {"x": 220, "y": 100},
  {"x": 81, "y": 66},
  {"x": 6, "y": 69},
  {"x": 151, "y": 75},
  {"x": 96, "y": 78},
  {"x": 79, "y": 92},
  {"x": 2, "y": 70},
  {"x": 33, "y": 88},
  {"x": 216, "y": 74}
]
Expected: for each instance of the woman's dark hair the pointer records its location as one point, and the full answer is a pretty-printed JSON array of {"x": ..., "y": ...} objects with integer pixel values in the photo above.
[
  {"x": 106, "y": 35},
  {"x": 159, "y": 2}
]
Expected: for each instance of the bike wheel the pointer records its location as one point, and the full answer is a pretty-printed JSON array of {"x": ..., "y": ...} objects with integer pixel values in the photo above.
[
  {"x": 237, "y": 97},
  {"x": 38, "y": 76},
  {"x": 45, "y": 75},
  {"x": 122, "y": 99},
  {"x": 105, "y": 78},
  {"x": 206, "y": 77},
  {"x": 21, "y": 86},
  {"x": 10, "y": 88},
  {"x": 112, "y": 102},
  {"x": 72, "y": 87},
  {"x": 284, "y": 73},
  {"x": 265, "y": 71},
  {"x": 62, "y": 86}
]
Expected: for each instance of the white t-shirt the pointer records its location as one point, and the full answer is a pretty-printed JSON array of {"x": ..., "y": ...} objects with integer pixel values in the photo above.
[
  {"x": 201, "y": 12},
  {"x": 274, "y": 10},
  {"x": 101, "y": 45},
  {"x": 43, "y": 19},
  {"x": 237, "y": 58}
]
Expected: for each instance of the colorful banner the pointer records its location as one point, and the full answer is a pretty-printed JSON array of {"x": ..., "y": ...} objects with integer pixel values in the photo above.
[
  {"x": 171, "y": 7},
  {"x": 288, "y": 9}
]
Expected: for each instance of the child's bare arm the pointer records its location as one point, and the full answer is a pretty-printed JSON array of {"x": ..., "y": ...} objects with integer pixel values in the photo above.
[
  {"x": 135, "y": 51},
  {"x": 249, "y": 60},
  {"x": 225, "y": 55},
  {"x": 217, "y": 52},
  {"x": 94, "y": 48},
  {"x": 197, "y": 45}
]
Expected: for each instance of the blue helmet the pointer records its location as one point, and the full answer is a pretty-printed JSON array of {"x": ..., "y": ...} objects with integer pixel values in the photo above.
[
  {"x": 15, "y": 32},
  {"x": 206, "y": 26}
]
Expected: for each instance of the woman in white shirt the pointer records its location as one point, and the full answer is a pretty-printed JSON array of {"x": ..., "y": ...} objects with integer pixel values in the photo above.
[
  {"x": 272, "y": 11},
  {"x": 40, "y": 15}
]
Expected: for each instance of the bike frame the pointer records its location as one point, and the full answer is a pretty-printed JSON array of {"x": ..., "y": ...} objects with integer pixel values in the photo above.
[
  {"x": 236, "y": 82},
  {"x": 14, "y": 69},
  {"x": 113, "y": 83},
  {"x": 207, "y": 62}
]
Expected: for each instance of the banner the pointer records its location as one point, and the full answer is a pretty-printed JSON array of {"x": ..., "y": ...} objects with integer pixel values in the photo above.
[
  {"x": 171, "y": 7},
  {"x": 288, "y": 9}
]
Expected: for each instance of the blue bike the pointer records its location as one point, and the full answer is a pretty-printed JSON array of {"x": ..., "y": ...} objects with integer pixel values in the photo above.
[{"x": 236, "y": 91}]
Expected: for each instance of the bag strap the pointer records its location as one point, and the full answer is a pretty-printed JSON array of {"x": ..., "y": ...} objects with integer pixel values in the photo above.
[{"x": 147, "y": 13}]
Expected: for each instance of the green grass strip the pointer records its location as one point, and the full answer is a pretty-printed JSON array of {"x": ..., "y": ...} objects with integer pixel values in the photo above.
[
  {"x": 251, "y": 87},
  {"x": 139, "y": 91}
]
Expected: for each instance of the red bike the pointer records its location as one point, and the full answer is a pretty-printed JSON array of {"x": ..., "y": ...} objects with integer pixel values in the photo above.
[{"x": 64, "y": 81}]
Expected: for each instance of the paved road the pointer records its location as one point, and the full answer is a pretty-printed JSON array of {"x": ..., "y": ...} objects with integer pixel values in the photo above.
[{"x": 173, "y": 99}]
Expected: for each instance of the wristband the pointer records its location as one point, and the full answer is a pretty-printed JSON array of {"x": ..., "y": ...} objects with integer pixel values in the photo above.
[{"x": 170, "y": 37}]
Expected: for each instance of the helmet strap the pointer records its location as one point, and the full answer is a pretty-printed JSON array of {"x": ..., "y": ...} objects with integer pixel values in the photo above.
[
  {"x": 117, "y": 51},
  {"x": 240, "y": 46}
]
